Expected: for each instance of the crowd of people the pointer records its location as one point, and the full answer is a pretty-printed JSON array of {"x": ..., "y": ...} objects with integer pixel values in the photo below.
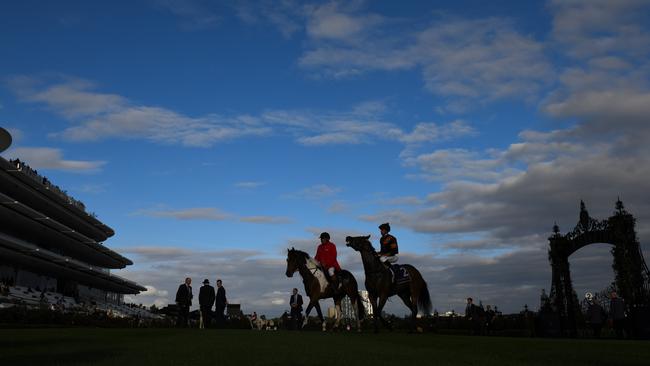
[
  {"x": 33, "y": 174},
  {"x": 208, "y": 298},
  {"x": 597, "y": 317}
]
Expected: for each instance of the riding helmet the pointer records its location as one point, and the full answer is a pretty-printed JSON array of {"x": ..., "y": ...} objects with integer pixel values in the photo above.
[
  {"x": 384, "y": 226},
  {"x": 325, "y": 236}
]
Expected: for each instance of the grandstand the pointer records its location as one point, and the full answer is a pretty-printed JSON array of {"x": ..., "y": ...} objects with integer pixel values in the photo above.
[{"x": 51, "y": 249}]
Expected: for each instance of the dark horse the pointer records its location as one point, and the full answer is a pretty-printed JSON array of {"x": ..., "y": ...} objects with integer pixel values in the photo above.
[
  {"x": 380, "y": 286},
  {"x": 316, "y": 288}
]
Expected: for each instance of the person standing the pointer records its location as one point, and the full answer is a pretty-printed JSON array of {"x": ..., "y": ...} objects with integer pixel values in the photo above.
[
  {"x": 472, "y": 314},
  {"x": 388, "y": 250},
  {"x": 206, "y": 300},
  {"x": 296, "y": 309},
  {"x": 326, "y": 257},
  {"x": 184, "y": 301},
  {"x": 596, "y": 317},
  {"x": 220, "y": 303},
  {"x": 489, "y": 319},
  {"x": 617, "y": 313}
]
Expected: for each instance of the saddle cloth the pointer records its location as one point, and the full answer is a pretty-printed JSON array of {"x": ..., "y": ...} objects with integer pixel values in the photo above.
[{"x": 400, "y": 274}]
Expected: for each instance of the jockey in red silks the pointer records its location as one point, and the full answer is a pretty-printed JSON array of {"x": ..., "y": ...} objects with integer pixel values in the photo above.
[{"x": 326, "y": 256}]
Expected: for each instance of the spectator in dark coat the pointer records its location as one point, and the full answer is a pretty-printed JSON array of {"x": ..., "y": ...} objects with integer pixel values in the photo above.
[
  {"x": 184, "y": 301},
  {"x": 220, "y": 303},
  {"x": 206, "y": 300},
  {"x": 617, "y": 314},
  {"x": 472, "y": 313},
  {"x": 596, "y": 317},
  {"x": 295, "y": 301}
]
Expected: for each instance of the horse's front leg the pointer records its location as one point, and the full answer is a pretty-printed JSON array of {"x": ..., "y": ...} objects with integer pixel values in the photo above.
[
  {"x": 380, "y": 306},
  {"x": 320, "y": 315},
  {"x": 375, "y": 311},
  {"x": 311, "y": 305}
]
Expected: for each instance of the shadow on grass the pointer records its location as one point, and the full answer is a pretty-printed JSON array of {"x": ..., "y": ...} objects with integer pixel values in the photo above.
[{"x": 71, "y": 357}]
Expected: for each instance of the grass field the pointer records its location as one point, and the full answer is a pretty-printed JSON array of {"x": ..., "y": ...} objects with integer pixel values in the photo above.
[{"x": 91, "y": 346}]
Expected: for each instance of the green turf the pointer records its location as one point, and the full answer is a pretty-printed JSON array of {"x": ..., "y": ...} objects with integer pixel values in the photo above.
[{"x": 86, "y": 346}]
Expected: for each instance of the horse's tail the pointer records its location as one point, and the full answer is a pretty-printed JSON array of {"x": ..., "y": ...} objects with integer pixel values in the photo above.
[
  {"x": 352, "y": 290},
  {"x": 424, "y": 299}
]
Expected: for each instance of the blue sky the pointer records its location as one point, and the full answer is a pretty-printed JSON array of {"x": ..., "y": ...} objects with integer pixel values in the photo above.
[{"x": 214, "y": 135}]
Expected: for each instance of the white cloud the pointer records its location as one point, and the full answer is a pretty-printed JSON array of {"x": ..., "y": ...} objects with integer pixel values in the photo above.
[
  {"x": 318, "y": 191},
  {"x": 330, "y": 21},
  {"x": 601, "y": 27},
  {"x": 50, "y": 158},
  {"x": 249, "y": 185},
  {"x": 286, "y": 15},
  {"x": 193, "y": 14},
  {"x": 479, "y": 60},
  {"x": 265, "y": 219},
  {"x": 338, "y": 207},
  {"x": 211, "y": 214},
  {"x": 97, "y": 116},
  {"x": 196, "y": 213}
]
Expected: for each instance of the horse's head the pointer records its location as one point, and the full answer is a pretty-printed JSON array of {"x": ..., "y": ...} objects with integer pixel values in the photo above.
[
  {"x": 359, "y": 243},
  {"x": 294, "y": 259}
]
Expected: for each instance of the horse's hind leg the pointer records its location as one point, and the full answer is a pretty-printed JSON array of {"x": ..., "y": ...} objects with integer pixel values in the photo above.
[
  {"x": 311, "y": 305},
  {"x": 412, "y": 305},
  {"x": 337, "y": 307}
]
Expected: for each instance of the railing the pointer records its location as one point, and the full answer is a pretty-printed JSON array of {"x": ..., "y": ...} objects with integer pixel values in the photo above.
[{"x": 25, "y": 169}]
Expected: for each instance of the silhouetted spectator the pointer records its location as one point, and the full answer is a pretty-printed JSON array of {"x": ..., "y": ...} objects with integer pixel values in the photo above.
[
  {"x": 296, "y": 309},
  {"x": 220, "y": 303},
  {"x": 184, "y": 301},
  {"x": 617, "y": 314},
  {"x": 206, "y": 300},
  {"x": 473, "y": 316},
  {"x": 596, "y": 317},
  {"x": 489, "y": 319}
]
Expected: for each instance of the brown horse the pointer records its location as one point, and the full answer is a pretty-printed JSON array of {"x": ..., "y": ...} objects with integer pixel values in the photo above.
[
  {"x": 380, "y": 285},
  {"x": 316, "y": 288}
]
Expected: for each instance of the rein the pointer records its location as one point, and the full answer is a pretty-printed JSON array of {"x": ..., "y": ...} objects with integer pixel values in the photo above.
[
  {"x": 378, "y": 268},
  {"x": 314, "y": 268}
]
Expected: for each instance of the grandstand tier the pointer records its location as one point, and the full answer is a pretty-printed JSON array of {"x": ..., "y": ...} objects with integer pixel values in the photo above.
[{"x": 49, "y": 242}]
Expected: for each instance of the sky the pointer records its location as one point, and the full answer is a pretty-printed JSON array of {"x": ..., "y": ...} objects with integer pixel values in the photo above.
[{"x": 214, "y": 135}]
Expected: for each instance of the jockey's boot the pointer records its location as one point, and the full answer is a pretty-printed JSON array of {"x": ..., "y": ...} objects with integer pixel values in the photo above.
[{"x": 334, "y": 281}]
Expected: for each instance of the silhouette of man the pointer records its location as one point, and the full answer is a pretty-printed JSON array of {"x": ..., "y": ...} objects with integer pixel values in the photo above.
[
  {"x": 206, "y": 300},
  {"x": 617, "y": 313},
  {"x": 296, "y": 308},
  {"x": 184, "y": 301},
  {"x": 596, "y": 317},
  {"x": 472, "y": 314},
  {"x": 220, "y": 303}
]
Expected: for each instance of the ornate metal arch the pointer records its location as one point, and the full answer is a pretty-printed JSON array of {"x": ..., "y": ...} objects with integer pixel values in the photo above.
[{"x": 632, "y": 274}]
